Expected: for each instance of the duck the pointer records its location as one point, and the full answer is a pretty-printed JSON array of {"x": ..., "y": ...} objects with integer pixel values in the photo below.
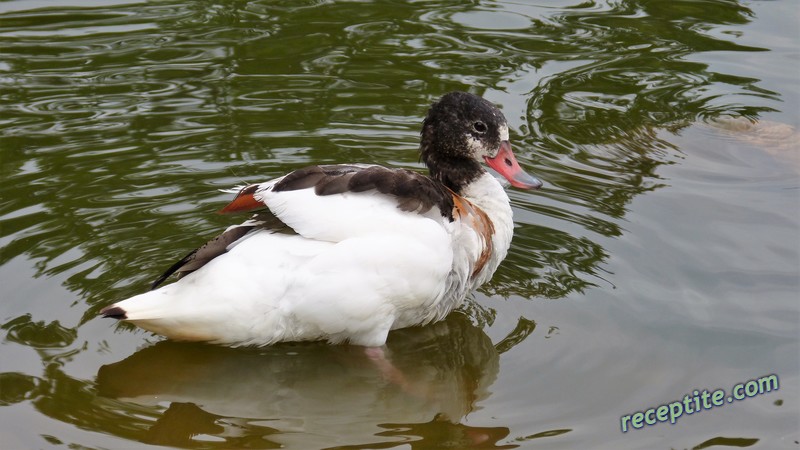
[{"x": 345, "y": 253}]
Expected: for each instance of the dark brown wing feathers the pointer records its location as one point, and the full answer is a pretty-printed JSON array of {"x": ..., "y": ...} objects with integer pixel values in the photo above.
[
  {"x": 219, "y": 245},
  {"x": 301, "y": 179},
  {"x": 415, "y": 192},
  {"x": 210, "y": 250}
]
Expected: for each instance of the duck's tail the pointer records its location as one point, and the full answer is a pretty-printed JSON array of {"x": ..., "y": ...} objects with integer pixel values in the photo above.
[
  {"x": 146, "y": 306},
  {"x": 114, "y": 312},
  {"x": 168, "y": 315}
]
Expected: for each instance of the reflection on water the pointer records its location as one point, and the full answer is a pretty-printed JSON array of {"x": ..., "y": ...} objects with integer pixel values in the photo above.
[
  {"x": 637, "y": 73},
  {"x": 437, "y": 373},
  {"x": 119, "y": 121}
]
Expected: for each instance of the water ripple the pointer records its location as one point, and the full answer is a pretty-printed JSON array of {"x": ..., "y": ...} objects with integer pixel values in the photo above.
[{"x": 228, "y": 95}]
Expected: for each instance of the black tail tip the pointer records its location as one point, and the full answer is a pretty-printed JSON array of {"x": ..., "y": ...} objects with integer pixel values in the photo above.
[{"x": 114, "y": 312}]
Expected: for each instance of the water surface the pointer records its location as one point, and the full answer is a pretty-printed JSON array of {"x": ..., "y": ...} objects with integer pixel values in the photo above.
[{"x": 661, "y": 257}]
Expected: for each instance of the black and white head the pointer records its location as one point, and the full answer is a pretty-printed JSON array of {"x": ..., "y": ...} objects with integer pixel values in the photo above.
[{"x": 462, "y": 130}]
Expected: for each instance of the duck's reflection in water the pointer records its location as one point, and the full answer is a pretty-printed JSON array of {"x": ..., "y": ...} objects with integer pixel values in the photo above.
[{"x": 414, "y": 391}]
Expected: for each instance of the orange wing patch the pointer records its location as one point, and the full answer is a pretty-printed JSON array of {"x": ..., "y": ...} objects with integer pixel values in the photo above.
[
  {"x": 474, "y": 217},
  {"x": 245, "y": 201}
]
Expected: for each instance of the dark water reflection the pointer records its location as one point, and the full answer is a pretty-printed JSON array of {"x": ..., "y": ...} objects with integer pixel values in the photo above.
[
  {"x": 664, "y": 131},
  {"x": 434, "y": 374}
]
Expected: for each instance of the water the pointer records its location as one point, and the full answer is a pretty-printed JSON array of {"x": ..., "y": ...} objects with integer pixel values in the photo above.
[{"x": 661, "y": 257}]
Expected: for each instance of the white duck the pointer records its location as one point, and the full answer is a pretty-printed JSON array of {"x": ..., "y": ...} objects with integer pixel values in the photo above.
[{"x": 349, "y": 252}]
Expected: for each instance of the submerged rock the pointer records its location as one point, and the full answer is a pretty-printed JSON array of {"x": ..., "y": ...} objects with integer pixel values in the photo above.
[{"x": 777, "y": 139}]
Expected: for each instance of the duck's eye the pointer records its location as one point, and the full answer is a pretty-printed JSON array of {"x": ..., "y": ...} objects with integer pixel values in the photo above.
[{"x": 480, "y": 127}]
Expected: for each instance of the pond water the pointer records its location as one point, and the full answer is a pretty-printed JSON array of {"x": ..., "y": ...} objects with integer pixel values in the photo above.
[{"x": 661, "y": 257}]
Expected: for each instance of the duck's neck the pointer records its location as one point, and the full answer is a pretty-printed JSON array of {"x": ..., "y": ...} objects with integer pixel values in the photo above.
[
  {"x": 488, "y": 194},
  {"x": 456, "y": 174},
  {"x": 446, "y": 163}
]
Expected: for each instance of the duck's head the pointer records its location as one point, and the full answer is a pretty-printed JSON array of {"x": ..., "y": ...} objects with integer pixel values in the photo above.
[{"x": 462, "y": 130}]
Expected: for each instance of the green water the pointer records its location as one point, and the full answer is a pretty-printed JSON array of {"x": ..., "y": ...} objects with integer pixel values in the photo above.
[{"x": 661, "y": 257}]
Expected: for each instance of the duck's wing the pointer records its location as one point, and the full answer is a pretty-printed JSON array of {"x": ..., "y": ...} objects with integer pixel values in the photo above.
[
  {"x": 198, "y": 257},
  {"x": 330, "y": 203},
  {"x": 333, "y": 202},
  {"x": 412, "y": 191}
]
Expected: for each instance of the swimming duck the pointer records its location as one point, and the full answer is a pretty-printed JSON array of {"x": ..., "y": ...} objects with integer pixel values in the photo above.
[{"x": 348, "y": 252}]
